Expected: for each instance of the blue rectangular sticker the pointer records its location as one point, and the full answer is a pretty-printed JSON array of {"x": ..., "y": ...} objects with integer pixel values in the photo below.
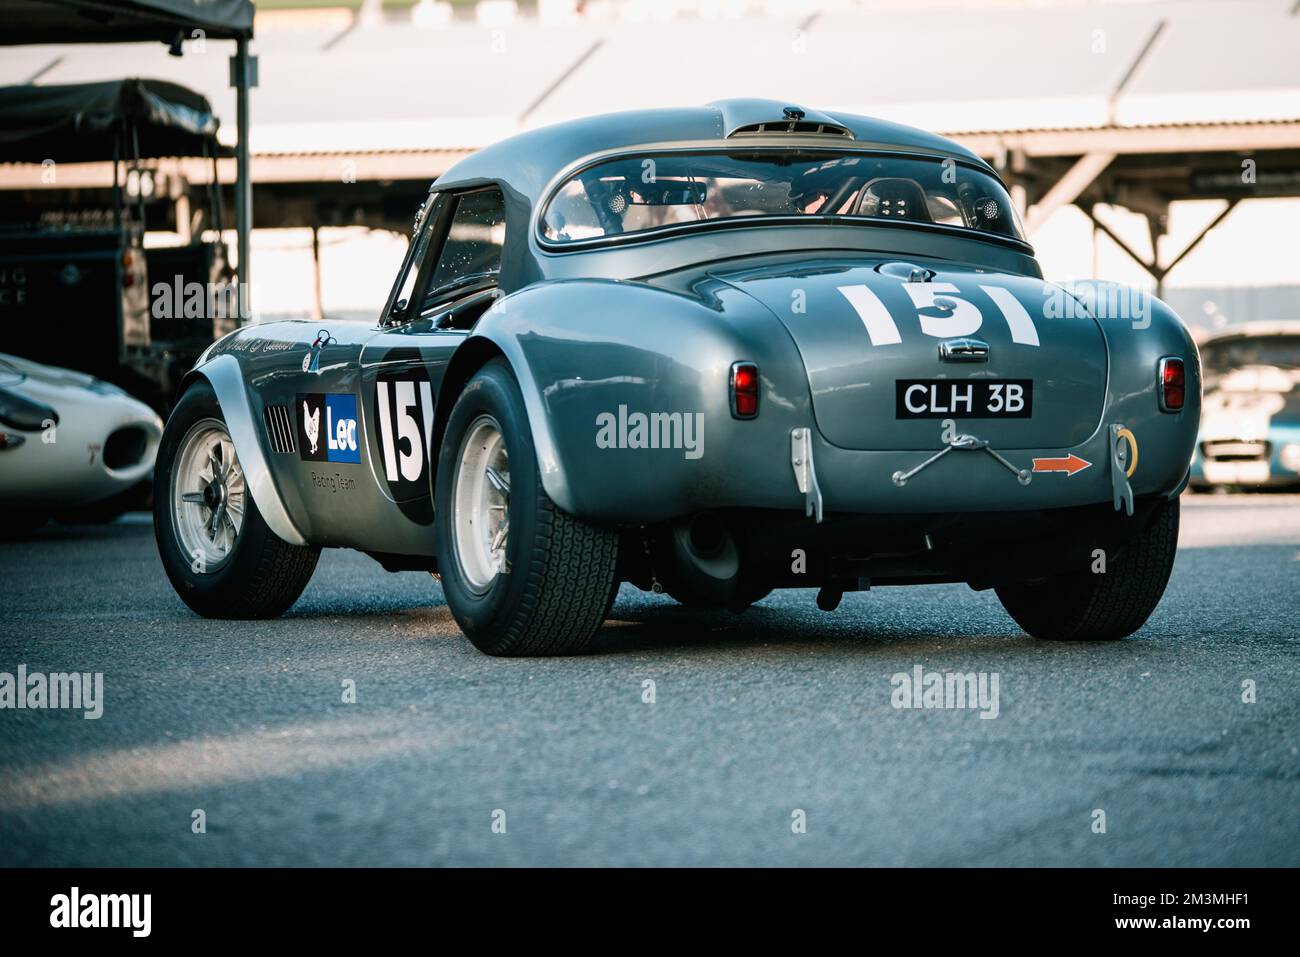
[{"x": 327, "y": 427}]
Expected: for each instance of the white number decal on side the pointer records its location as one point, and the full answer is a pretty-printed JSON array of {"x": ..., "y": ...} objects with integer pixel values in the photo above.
[
  {"x": 410, "y": 460},
  {"x": 960, "y": 318}
]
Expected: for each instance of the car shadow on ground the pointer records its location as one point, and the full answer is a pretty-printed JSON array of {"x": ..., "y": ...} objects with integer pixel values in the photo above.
[{"x": 651, "y": 625}]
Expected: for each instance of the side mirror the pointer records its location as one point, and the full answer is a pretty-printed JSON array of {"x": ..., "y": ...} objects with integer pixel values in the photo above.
[{"x": 399, "y": 311}]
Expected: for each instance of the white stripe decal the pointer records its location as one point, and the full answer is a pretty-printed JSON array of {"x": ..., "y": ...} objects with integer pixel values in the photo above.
[
  {"x": 1018, "y": 321},
  {"x": 880, "y": 324}
]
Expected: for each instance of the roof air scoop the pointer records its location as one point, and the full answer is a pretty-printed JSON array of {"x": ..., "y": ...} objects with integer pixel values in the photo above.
[{"x": 771, "y": 117}]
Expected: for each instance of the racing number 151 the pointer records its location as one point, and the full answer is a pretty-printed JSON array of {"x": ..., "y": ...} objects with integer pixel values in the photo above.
[
  {"x": 957, "y": 316},
  {"x": 405, "y": 421}
]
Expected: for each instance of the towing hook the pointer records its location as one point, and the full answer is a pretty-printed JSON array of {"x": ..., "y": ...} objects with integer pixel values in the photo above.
[
  {"x": 963, "y": 442},
  {"x": 1122, "y": 467}
]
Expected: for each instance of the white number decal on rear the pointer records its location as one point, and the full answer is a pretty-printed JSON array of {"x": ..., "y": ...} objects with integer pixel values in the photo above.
[{"x": 955, "y": 316}]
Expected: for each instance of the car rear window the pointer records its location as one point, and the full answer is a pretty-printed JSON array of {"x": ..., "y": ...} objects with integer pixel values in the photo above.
[{"x": 648, "y": 192}]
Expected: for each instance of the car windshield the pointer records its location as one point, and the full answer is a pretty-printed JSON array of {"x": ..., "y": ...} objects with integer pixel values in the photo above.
[
  {"x": 636, "y": 194},
  {"x": 1220, "y": 358}
]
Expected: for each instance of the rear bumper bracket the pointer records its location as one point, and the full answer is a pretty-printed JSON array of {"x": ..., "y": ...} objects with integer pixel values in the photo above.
[
  {"x": 1121, "y": 491},
  {"x": 805, "y": 474}
]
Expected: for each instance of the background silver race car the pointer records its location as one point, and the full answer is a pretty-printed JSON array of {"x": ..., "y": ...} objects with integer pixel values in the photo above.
[
  {"x": 71, "y": 446},
  {"x": 710, "y": 351},
  {"x": 1250, "y": 427}
]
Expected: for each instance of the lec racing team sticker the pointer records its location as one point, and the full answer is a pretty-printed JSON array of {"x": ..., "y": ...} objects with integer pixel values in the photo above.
[{"x": 327, "y": 427}]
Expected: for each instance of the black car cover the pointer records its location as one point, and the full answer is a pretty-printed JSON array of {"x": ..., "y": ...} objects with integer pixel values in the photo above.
[{"x": 81, "y": 122}]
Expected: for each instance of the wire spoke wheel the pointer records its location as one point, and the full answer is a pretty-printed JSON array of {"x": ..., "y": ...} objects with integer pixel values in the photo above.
[
  {"x": 481, "y": 504},
  {"x": 208, "y": 495}
]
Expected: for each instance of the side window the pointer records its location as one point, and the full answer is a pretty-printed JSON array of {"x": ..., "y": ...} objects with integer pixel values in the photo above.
[
  {"x": 404, "y": 292},
  {"x": 472, "y": 250},
  {"x": 407, "y": 286}
]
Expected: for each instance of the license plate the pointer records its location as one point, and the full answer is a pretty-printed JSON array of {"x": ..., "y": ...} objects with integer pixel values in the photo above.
[{"x": 963, "y": 399}]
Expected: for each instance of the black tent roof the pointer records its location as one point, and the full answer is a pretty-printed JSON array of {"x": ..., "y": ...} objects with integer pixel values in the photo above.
[
  {"x": 122, "y": 21},
  {"x": 79, "y": 122}
]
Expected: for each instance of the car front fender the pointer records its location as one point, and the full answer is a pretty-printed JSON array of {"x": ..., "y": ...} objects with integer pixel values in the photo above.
[{"x": 224, "y": 374}]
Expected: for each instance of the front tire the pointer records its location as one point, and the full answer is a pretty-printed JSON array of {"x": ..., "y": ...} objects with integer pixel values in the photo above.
[
  {"x": 520, "y": 576},
  {"x": 1083, "y": 606},
  {"x": 220, "y": 555}
]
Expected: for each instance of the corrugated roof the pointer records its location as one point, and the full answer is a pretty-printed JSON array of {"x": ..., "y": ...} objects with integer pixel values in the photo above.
[{"x": 954, "y": 70}]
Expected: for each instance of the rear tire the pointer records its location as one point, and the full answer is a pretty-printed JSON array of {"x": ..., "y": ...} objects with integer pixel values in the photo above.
[
  {"x": 256, "y": 574},
  {"x": 542, "y": 584},
  {"x": 1083, "y": 606}
]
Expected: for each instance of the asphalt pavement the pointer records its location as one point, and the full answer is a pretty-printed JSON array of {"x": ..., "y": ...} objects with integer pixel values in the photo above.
[{"x": 685, "y": 737}]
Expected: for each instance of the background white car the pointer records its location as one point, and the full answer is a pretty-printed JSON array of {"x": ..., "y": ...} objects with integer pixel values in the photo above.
[
  {"x": 71, "y": 445},
  {"x": 1250, "y": 424}
]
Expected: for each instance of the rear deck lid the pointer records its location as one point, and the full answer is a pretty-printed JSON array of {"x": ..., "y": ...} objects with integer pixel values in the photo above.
[{"x": 891, "y": 349}]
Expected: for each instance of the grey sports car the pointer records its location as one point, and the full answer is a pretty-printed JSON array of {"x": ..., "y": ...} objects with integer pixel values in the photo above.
[{"x": 711, "y": 352}]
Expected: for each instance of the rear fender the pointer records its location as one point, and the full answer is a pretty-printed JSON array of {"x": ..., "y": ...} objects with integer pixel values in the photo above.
[
  {"x": 1136, "y": 340},
  {"x": 610, "y": 349}
]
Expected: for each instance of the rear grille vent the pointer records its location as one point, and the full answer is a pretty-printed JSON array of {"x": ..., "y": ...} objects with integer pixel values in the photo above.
[
  {"x": 798, "y": 127},
  {"x": 279, "y": 427}
]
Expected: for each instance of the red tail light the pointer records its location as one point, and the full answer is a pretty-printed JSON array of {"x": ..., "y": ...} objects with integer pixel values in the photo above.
[
  {"x": 1172, "y": 384},
  {"x": 744, "y": 390}
]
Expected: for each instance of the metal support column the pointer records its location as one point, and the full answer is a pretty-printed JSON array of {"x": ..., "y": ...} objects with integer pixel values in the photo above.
[
  {"x": 243, "y": 76},
  {"x": 318, "y": 307}
]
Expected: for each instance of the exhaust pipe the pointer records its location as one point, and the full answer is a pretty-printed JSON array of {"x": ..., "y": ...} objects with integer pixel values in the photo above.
[
  {"x": 698, "y": 560},
  {"x": 704, "y": 544}
]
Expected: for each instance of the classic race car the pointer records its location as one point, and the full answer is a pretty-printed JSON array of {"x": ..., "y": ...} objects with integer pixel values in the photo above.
[
  {"x": 710, "y": 351},
  {"x": 71, "y": 446},
  {"x": 1250, "y": 430}
]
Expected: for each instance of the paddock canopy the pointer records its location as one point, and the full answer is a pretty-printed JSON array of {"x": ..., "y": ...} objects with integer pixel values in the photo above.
[
  {"x": 82, "y": 122},
  {"x": 122, "y": 21}
]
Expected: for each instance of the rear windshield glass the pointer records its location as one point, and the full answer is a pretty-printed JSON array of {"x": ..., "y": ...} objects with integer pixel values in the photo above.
[{"x": 635, "y": 194}]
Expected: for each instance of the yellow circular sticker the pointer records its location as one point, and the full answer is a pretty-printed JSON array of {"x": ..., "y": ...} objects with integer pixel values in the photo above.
[{"x": 1132, "y": 444}]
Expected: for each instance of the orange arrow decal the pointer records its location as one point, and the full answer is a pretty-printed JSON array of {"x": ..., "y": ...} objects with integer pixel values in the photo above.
[{"x": 1069, "y": 465}]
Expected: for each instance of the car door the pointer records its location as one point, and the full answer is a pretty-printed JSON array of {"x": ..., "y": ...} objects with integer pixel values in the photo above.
[{"x": 449, "y": 279}]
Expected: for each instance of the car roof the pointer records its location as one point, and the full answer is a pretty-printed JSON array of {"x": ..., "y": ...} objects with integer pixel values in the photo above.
[{"x": 527, "y": 162}]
